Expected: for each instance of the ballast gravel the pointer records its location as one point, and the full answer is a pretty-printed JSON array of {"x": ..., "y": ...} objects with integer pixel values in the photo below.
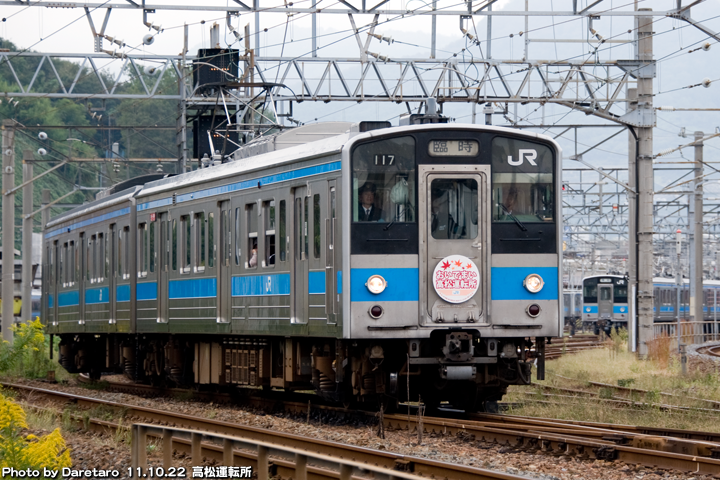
[{"x": 103, "y": 452}]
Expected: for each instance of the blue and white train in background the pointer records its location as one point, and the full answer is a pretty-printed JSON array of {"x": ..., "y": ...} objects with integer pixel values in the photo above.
[
  {"x": 605, "y": 302},
  {"x": 348, "y": 259}
]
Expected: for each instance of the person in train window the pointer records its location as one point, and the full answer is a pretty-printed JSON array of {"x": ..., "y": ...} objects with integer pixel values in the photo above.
[
  {"x": 252, "y": 263},
  {"x": 368, "y": 212}
]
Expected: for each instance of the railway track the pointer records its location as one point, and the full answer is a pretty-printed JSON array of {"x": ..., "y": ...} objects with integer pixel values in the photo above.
[
  {"x": 679, "y": 450},
  {"x": 713, "y": 350},
  {"x": 390, "y": 462},
  {"x": 567, "y": 345}
]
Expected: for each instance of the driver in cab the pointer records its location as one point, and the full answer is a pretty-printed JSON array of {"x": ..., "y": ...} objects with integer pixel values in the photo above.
[{"x": 367, "y": 211}]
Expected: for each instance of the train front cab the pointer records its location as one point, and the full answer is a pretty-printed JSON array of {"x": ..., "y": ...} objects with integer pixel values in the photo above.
[
  {"x": 605, "y": 302},
  {"x": 462, "y": 266}
]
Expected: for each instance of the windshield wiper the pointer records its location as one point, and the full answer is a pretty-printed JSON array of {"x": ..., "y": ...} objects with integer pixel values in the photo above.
[{"x": 509, "y": 214}]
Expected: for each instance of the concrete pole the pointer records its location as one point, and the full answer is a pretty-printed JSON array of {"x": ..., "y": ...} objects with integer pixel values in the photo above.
[
  {"x": 488, "y": 44},
  {"x": 696, "y": 255},
  {"x": 632, "y": 226},
  {"x": 8, "y": 227},
  {"x": 182, "y": 130},
  {"x": 433, "y": 34},
  {"x": 27, "y": 229},
  {"x": 646, "y": 190}
]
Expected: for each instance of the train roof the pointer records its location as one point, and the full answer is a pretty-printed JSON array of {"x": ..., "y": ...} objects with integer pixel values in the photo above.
[
  {"x": 287, "y": 149},
  {"x": 604, "y": 276},
  {"x": 686, "y": 281},
  {"x": 108, "y": 201},
  {"x": 306, "y": 151}
]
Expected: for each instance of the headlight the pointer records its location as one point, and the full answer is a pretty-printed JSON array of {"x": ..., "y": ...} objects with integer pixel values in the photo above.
[
  {"x": 533, "y": 282},
  {"x": 376, "y": 284}
]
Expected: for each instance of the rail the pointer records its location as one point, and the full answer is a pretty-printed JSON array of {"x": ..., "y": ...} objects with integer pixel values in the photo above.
[
  {"x": 304, "y": 463},
  {"x": 691, "y": 333}
]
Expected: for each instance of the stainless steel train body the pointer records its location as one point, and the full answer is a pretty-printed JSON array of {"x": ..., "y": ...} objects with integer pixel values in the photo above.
[
  {"x": 605, "y": 302},
  {"x": 261, "y": 271},
  {"x": 666, "y": 299},
  {"x": 572, "y": 308}
]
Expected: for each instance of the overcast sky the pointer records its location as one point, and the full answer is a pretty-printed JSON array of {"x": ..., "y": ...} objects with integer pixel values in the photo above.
[{"x": 66, "y": 30}]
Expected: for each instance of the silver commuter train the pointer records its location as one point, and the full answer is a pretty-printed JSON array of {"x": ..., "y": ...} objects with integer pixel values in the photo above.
[
  {"x": 665, "y": 299},
  {"x": 261, "y": 271},
  {"x": 605, "y": 302}
]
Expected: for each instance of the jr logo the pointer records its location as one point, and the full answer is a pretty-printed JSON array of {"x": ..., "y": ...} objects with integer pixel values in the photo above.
[{"x": 529, "y": 154}]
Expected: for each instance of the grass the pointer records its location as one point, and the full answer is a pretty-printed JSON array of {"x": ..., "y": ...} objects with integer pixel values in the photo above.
[{"x": 614, "y": 365}]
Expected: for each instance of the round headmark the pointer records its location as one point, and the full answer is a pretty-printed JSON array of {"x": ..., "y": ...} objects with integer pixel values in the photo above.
[{"x": 456, "y": 279}]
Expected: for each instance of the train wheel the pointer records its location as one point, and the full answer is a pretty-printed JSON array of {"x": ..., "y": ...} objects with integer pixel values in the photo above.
[{"x": 95, "y": 374}]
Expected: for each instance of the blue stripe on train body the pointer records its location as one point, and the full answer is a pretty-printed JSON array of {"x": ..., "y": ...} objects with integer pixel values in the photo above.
[
  {"x": 506, "y": 283},
  {"x": 192, "y": 288},
  {"x": 261, "y": 285},
  {"x": 316, "y": 283},
  {"x": 403, "y": 285},
  {"x": 97, "y": 295},
  {"x": 122, "y": 293},
  {"x": 147, "y": 291},
  {"x": 620, "y": 309},
  {"x": 590, "y": 309},
  {"x": 69, "y": 299}
]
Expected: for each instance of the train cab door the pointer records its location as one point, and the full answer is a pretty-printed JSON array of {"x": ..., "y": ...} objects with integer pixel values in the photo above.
[
  {"x": 163, "y": 265},
  {"x": 300, "y": 256},
  {"x": 224, "y": 260},
  {"x": 454, "y": 243},
  {"x": 605, "y": 301}
]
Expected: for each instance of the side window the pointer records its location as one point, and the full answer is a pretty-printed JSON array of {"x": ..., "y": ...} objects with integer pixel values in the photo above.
[
  {"x": 126, "y": 252},
  {"x": 200, "y": 237},
  {"x": 316, "y": 225},
  {"x": 238, "y": 241},
  {"x": 306, "y": 216},
  {"x": 269, "y": 228},
  {"x": 107, "y": 250},
  {"x": 185, "y": 227},
  {"x": 73, "y": 262},
  {"x": 298, "y": 229},
  {"x": 120, "y": 253},
  {"x": 225, "y": 238},
  {"x": 283, "y": 231},
  {"x": 100, "y": 260},
  {"x": 60, "y": 264},
  {"x": 252, "y": 234},
  {"x": 174, "y": 245},
  {"x": 211, "y": 239},
  {"x": 92, "y": 258},
  {"x": 142, "y": 253},
  {"x": 151, "y": 248},
  {"x": 332, "y": 216}
]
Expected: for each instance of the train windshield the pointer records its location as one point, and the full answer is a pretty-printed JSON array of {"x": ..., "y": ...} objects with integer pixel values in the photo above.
[
  {"x": 522, "y": 180},
  {"x": 590, "y": 291},
  {"x": 454, "y": 209},
  {"x": 384, "y": 187},
  {"x": 620, "y": 293}
]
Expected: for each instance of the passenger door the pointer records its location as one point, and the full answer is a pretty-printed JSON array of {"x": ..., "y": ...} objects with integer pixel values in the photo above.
[
  {"x": 112, "y": 277},
  {"x": 301, "y": 246},
  {"x": 605, "y": 301},
  {"x": 454, "y": 243},
  {"x": 163, "y": 266},
  {"x": 224, "y": 274}
]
